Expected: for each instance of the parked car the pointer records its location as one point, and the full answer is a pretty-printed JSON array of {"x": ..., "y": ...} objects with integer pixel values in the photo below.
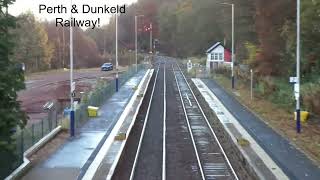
[
  {"x": 21, "y": 67},
  {"x": 107, "y": 67}
]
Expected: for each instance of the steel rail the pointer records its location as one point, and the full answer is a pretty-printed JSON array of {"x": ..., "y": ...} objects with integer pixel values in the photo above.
[
  {"x": 189, "y": 127},
  {"x": 208, "y": 124},
  {"x": 143, "y": 129}
]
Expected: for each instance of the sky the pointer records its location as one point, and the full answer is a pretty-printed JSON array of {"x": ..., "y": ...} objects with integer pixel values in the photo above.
[{"x": 21, "y": 6}]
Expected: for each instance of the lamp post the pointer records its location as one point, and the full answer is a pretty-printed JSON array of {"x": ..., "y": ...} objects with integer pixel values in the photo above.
[
  {"x": 150, "y": 38},
  {"x": 117, "y": 64},
  {"x": 297, "y": 85},
  {"x": 72, "y": 85},
  {"x": 232, "y": 56},
  {"x": 136, "y": 37}
]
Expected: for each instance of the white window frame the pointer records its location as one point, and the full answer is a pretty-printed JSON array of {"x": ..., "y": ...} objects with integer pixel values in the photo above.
[
  {"x": 221, "y": 56},
  {"x": 216, "y": 56}
]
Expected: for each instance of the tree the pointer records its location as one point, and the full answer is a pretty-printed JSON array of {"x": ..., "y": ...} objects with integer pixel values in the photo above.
[
  {"x": 86, "y": 50},
  {"x": 270, "y": 18},
  {"x": 168, "y": 27},
  {"x": 33, "y": 47},
  {"x": 57, "y": 37},
  {"x": 11, "y": 81},
  {"x": 310, "y": 38},
  {"x": 245, "y": 30}
]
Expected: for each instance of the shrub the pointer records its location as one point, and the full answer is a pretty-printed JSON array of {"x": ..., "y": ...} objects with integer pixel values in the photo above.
[
  {"x": 253, "y": 51},
  {"x": 277, "y": 90},
  {"x": 265, "y": 85},
  {"x": 311, "y": 97}
]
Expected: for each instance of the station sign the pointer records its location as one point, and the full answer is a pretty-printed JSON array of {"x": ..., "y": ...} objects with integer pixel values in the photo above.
[
  {"x": 73, "y": 86},
  {"x": 189, "y": 65},
  {"x": 293, "y": 79}
]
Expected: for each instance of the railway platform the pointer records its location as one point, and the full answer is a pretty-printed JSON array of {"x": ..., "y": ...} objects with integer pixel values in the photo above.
[
  {"x": 172, "y": 138},
  {"x": 291, "y": 160},
  {"x": 74, "y": 157}
]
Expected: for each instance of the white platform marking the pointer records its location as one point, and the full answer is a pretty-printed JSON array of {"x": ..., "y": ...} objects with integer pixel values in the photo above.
[{"x": 225, "y": 118}]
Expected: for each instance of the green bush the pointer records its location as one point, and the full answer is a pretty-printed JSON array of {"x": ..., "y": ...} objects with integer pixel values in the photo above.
[
  {"x": 283, "y": 94},
  {"x": 253, "y": 51},
  {"x": 278, "y": 91},
  {"x": 311, "y": 97},
  {"x": 223, "y": 70},
  {"x": 198, "y": 60},
  {"x": 192, "y": 73},
  {"x": 267, "y": 85}
]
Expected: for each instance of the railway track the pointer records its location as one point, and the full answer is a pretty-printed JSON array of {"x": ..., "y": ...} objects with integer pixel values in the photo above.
[
  {"x": 212, "y": 159},
  {"x": 149, "y": 155},
  {"x": 177, "y": 140}
]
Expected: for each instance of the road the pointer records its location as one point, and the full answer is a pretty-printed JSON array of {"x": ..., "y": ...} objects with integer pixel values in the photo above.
[{"x": 176, "y": 140}]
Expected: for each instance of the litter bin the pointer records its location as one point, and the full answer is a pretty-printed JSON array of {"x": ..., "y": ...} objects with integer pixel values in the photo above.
[
  {"x": 93, "y": 111},
  {"x": 304, "y": 115}
]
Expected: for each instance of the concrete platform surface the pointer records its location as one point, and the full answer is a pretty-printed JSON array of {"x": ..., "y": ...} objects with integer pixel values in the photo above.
[
  {"x": 257, "y": 158},
  {"x": 292, "y": 161},
  {"x": 104, "y": 164},
  {"x": 75, "y": 156}
]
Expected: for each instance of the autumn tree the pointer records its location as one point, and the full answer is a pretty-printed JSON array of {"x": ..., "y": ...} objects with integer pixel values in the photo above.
[
  {"x": 264, "y": 31},
  {"x": 245, "y": 29},
  {"x": 86, "y": 51},
  {"x": 310, "y": 39},
  {"x": 270, "y": 18},
  {"x": 33, "y": 47},
  {"x": 57, "y": 36},
  {"x": 104, "y": 38}
]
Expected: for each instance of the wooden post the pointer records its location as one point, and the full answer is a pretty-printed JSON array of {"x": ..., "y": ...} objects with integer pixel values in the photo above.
[{"x": 251, "y": 72}]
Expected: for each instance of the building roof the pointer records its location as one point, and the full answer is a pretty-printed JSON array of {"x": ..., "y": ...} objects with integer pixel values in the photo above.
[{"x": 215, "y": 46}]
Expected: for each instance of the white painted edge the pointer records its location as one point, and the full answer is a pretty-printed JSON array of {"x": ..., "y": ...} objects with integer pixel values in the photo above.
[
  {"x": 107, "y": 144},
  {"x": 115, "y": 162},
  {"x": 277, "y": 171},
  {"x": 19, "y": 171},
  {"x": 164, "y": 126},
  {"x": 189, "y": 128},
  {"x": 42, "y": 142},
  {"x": 144, "y": 128},
  {"x": 26, "y": 163}
]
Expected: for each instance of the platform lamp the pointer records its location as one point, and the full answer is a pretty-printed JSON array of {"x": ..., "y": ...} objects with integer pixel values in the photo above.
[
  {"x": 72, "y": 84},
  {"x": 233, "y": 56},
  {"x": 117, "y": 62},
  {"x": 297, "y": 85},
  {"x": 136, "y": 37}
]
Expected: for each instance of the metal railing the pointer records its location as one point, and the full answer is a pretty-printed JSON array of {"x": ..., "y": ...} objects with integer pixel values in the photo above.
[
  {"x": 103, "y": 91},
  {"x": 33, "y": 133},
  {"x": 26, "y": 138}
]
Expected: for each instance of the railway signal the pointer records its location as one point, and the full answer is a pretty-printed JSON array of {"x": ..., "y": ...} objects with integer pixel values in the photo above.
[{"x": 136, "y": 38}]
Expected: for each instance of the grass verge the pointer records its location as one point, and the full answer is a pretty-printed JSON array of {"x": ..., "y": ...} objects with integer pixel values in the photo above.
[{"x": 278, "y": 118}]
